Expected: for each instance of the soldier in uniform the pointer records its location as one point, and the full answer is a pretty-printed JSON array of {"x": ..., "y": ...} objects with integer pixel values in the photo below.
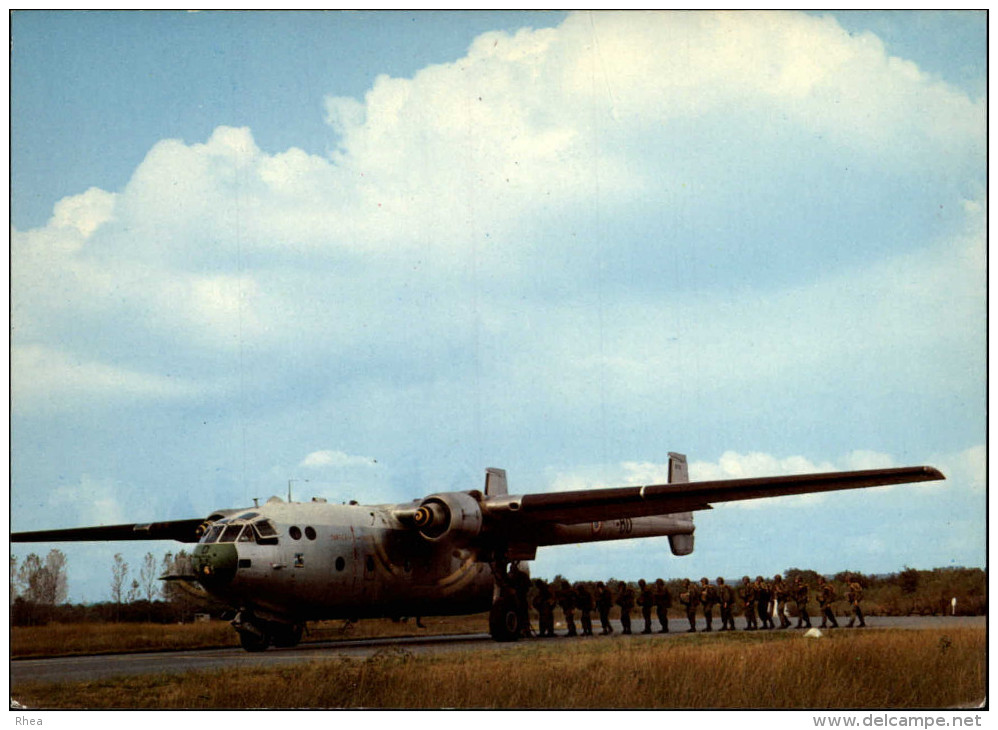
[
  {"x": 762, "y": 594},
  {"x": 625, "y": 599},
  {"x": 826, "y": 598},
  {"x": 780, "y": 595},
  {"x": 520, "y": 582},
  {"x": 854, "y": 595},
  {"x": 690, "y": 597},
  {"x": 646, "y": 600},
  {"x": 801, "y": 598},
  {"x": 708, "y": 597},
  {"x": 544, "y": 603},
  {"x": 726, "y": 602},
  {"x": 746, "y": 594},
  {"x": 566, "y": 599},
  {"x": 663, "y": 602},
  {"x": 584, "y": 601},
  {"x": 604, "y": 602}
]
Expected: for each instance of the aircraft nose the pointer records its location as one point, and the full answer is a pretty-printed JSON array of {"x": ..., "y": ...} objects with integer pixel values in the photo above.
[{"x": 214, "y": 565}]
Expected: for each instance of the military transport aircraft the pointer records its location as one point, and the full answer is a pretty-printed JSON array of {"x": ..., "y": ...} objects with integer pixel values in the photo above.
[{"x": 281, "y": 564}]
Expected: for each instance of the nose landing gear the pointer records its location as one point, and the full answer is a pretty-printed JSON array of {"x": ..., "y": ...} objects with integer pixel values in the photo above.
[{"x": 256, "y": 634}]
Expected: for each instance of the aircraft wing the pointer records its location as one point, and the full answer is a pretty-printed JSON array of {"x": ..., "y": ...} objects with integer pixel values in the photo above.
[
  {"x": 179, "y": 530},
  {"x": 661, "y": 499}
]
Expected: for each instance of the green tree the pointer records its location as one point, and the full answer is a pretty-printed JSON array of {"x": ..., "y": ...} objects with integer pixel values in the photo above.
[{"x": 908, "y": 579}]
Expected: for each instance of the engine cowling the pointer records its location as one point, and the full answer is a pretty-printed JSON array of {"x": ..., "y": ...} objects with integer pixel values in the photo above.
[
  {"x": 681, "y": 544},
  {"x": 448, "y": 516}
]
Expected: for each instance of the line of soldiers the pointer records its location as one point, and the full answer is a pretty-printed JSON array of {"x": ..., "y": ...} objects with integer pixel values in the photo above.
[{"x": 758, "y": 600}]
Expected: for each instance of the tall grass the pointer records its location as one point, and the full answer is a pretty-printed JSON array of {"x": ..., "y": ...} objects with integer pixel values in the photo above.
[
  {"x": 108, "y": 638},
  {"x": 859, "y": 669}
]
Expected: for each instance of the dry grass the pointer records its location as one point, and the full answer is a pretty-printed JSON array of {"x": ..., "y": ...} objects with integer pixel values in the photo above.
[
  {"x": 96, "y": 638},
  {"x": 862, "y": 669}
]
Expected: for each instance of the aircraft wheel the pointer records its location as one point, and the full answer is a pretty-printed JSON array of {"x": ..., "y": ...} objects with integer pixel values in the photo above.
[
  {"x": 254, "y": 642},
  {"x": 287, "y": 635},
  {"x": 504, "y": 621}
]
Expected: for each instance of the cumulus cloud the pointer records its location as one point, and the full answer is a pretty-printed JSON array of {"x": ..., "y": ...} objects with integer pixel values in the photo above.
[
  {"x": 483, "y": 194},
  {"x": 84, "y": 213}
]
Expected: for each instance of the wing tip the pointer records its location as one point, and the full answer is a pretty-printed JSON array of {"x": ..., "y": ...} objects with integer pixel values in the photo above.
[{"x": 931, "y": 473}]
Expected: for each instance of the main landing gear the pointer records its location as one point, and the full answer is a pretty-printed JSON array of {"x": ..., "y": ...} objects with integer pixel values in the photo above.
[{"x": 508, "y": 619}]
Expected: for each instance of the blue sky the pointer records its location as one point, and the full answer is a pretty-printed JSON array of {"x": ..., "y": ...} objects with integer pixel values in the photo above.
[{"x": 377, "y": 252}]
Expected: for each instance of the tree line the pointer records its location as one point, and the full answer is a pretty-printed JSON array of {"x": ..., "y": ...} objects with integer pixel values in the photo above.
[{"x": 38, "y": 592}]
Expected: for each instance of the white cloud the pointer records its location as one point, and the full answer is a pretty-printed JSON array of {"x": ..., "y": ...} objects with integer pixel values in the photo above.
[
  {"x": 90, "y": 502},
  {"x": 467, "y": 194},
  {"x": 52, "y": 379},
  {"x": 968, "y": 467},
  {"x": 336, "y": 459},
  {"x": 85, "y": 213}
]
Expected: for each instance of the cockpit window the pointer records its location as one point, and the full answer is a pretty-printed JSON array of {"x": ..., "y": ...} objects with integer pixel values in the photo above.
[
  {"x": 248, "y": 534},
  {"x": 213, "y": 534},
  {"x": 231, "y": 533},
  {"x": 265, "y": 528}
]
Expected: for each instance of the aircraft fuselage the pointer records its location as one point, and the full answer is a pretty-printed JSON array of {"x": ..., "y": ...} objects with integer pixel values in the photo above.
[{"x": 322, "y": 561}]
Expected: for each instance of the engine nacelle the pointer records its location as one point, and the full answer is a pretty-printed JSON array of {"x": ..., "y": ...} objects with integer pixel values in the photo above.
[{"x": 448, "y": 515}]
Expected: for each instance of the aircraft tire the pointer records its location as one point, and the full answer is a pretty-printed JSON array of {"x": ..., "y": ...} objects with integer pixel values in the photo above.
[
  {"x": 254, "y": 642},
  {"x": 287, "y": 635},
  {"x": 504, "y": 620}
]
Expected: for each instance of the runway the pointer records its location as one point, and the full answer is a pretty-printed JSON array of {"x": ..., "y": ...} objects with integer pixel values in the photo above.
[{"x": 83, "y": 668}]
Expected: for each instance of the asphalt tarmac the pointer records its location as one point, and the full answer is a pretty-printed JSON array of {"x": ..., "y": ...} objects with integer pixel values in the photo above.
[{"x": 82, "y": 668}]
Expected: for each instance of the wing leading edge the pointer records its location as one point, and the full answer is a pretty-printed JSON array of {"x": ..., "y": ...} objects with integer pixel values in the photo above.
[
  {"x": 179, "y": 530},
  {"x": 661, "y": 499}
]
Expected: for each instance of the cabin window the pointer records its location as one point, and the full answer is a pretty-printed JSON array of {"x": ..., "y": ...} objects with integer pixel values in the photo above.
[
  {"x": 295, "y": 532},
  {"x": 310, "y": 533},
  {"x": 231, "y": 533},
  {"x": 340, "y": 563}
]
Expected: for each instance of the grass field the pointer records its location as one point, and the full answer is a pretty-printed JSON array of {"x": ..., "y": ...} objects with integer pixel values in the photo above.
[
  {"x": 110, "y": 638},
  {"x": 847, "y": 669}
]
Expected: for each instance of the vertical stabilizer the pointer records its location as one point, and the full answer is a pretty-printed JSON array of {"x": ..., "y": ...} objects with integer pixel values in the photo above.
[
  {"x": 495, "y": 482},
  {"x": 680, "y": 544},
  {"x": 678, "y": 473}
]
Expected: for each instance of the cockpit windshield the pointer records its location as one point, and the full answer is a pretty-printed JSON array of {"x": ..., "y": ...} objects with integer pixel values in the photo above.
[
  {"x": 236, "y": 530},
  {"x": 213, "y": 533},
  {"x": 230, "y": 533}
]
